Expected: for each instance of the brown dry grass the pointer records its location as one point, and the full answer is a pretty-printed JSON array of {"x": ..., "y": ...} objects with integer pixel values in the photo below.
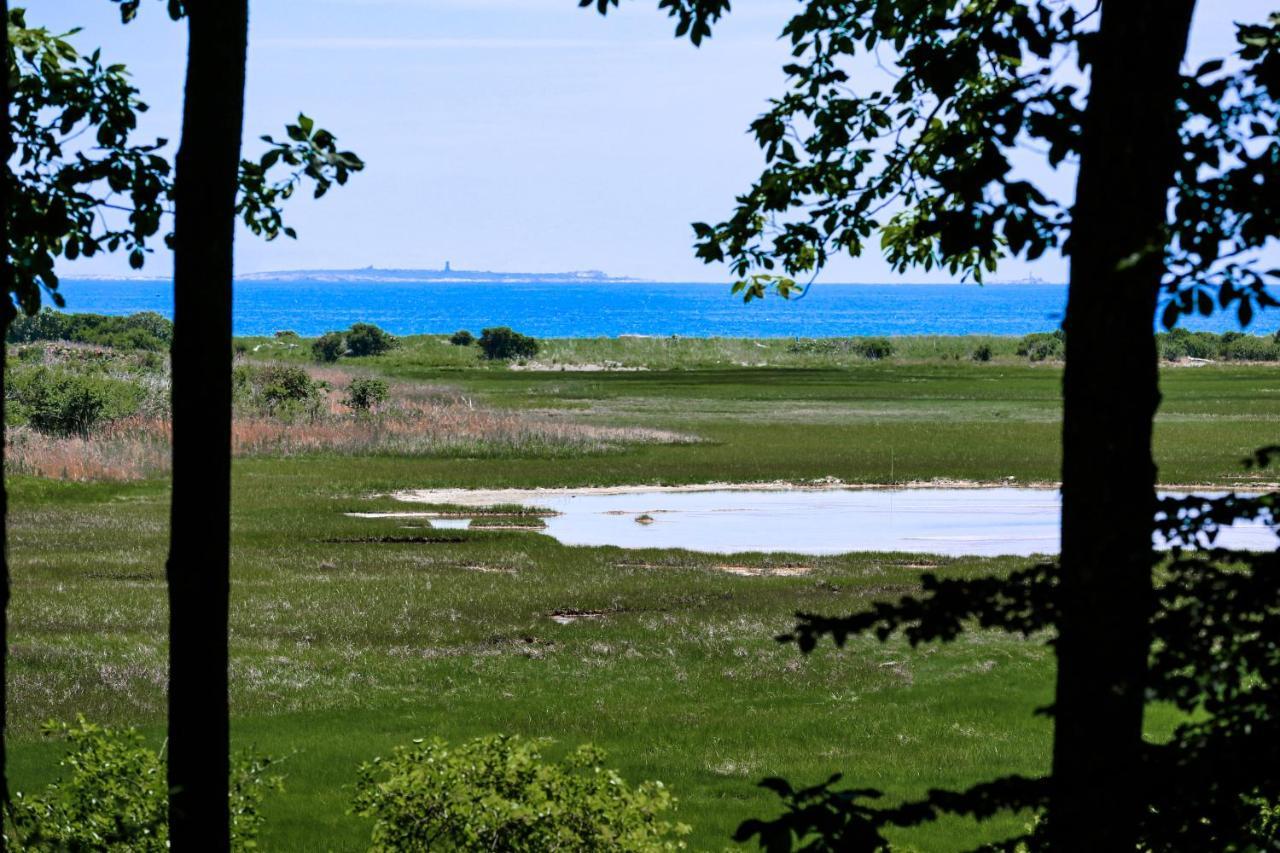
[{"x": 419, "y": 420}]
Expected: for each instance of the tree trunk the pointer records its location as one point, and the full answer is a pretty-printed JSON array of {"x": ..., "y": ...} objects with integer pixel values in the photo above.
[
  {"x": 200, "y": 521},
  {"x": 1110, "y": 392},
  {"x": 6, "y": 317}
]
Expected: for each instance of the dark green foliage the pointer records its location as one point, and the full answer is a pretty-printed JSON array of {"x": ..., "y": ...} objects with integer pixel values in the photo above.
[
  {"x": 693, "y": 17},
  {"x": 146, "y": 330},
  {"x": 368, "y": 339},
  {"x": 275, "y": 390},
  {"x": 503, "y": 343},
  {"x": 116, "y": 797},
  {"x": 365, "y": 394},
  {"x": 1042, "y": 346},
  {"x": 982, "y": 352},
  {"x": 61, "y": 401},
  {"x": 499, "y": 794},
  {"x": 287, "y": 335},
  {"x": 329, "y": 347},
  {"x": 462, "y": 338}
]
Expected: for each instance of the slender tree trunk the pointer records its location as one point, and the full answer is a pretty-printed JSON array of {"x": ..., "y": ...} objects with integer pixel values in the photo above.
[
  {"x": 1111, "y": 391},
  {"x": 200, "y": 522},
  {"x": 6, "y": 317}
]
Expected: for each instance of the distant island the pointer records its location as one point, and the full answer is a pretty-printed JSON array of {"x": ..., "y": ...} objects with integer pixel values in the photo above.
[{"x": 448, "y": 274}]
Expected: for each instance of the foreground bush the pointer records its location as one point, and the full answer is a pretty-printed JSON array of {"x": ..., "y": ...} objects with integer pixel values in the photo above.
[
  {"x": 58, "y": 401},
  {"x": 499, "y": 794},
  {"x": 501, "y": 343},
  {"x": 116, "y": 798}
]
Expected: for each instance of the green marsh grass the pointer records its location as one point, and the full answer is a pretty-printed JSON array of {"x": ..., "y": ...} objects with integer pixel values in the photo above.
[{"x": 352, "y": 635}]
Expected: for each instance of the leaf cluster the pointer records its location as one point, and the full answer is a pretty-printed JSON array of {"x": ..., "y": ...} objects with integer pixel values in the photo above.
[
  {"x": 82, "y": 185},
  {"x": 693, "y": 17},
  {"x": 115, "y": 796},
  {"x": 498, "y": 793}
]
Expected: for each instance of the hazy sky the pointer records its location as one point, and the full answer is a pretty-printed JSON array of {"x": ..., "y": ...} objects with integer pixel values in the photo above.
[{"x": 522, "y": 135}]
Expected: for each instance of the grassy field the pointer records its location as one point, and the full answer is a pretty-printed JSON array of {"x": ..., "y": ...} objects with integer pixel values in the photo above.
[{"x": 343, "y": 648}]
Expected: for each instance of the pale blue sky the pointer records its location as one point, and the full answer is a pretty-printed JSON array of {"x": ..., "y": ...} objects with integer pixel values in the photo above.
[{"x": 507, "y": 134}]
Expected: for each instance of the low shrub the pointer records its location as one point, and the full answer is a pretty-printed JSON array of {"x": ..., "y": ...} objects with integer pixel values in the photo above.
[
  {"x": 287, "y": 335},
  {"x": 982, "y": 352},
  {"x": 363, "y": 395},
  {"x": 57, "y": 401},
  {"x": 368, "y": 339},
  {"x": 275, "y": 390},
  {"x": 874, "y": 348},
  {"x": 462, "y": 338},
  {"x": 117, "y": 797},
  {"x": 499, "y": 794},
  {"x": 329, "y": 347},
  {"x": 1042, "y": 346},
  {"x": 502, "y": 343}
]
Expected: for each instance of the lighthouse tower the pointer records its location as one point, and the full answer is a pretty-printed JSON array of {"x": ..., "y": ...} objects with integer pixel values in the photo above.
[{"x": 446, "y": 267}]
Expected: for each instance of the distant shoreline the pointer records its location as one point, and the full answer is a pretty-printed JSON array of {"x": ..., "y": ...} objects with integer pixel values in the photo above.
[{"x": 321, "y": 277}]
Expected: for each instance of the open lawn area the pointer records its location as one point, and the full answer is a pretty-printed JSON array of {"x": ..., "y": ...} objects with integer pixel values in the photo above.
[{"x": 352, "y": 635}]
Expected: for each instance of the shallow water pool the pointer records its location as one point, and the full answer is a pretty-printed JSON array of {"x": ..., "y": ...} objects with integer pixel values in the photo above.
[{"x": 987, "y": 522}]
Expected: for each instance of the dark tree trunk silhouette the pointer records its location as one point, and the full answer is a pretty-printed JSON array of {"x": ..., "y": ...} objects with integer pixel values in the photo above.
[
  {"x": 199, "y": 549},
  {"x": 1111, "y": 391},
  {"x": 6, "y": 317}
]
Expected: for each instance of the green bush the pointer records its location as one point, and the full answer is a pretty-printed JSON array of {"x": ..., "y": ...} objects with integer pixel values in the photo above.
[
  {"x": 287, "y": 335},
  {"x": 1042, "y": 346},
  {"x": 499, "y": 794},
  {"x": 982, "y": 352},
  {"x": 146, "y": 330},
  {"x": 462, "y": 338},
  {"x": 329, "y": 347},
  {"x": 503, "y": 343},
  {"x": 64, "y": 402},
  {"x": 116, "y": 798},
  {"x": 364, "y": 394},
  {"x": 368, "y": 339},
  {"x": 275, "y": 389},
  {"x": 874, "y": 348},
  {"x": 1181, "y": 343},
  {"x": 1250, "y": 348}
]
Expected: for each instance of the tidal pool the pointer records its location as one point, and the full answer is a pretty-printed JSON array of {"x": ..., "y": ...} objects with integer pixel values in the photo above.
[{"x": 955, "y": 522}]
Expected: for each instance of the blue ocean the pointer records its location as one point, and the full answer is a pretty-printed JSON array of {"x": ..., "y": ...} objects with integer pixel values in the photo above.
[{"x": 608, "y": 309}]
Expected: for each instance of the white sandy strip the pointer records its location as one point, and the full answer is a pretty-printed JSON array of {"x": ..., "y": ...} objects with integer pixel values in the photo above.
[{"x": 485, "y": 497}]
